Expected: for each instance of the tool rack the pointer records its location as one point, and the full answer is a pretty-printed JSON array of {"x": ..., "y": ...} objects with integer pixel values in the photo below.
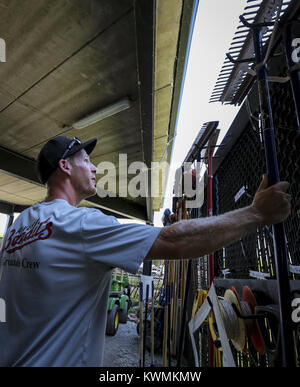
[{"x": 260, "y": 74}]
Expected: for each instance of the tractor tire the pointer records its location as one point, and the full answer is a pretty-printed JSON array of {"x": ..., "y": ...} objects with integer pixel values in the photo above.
[
  {"x": 113, "y": 320},
  {"x": 124, "y": 314}
]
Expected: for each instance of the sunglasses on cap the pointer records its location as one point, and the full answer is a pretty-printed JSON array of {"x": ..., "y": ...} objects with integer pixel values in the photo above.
[{"x": 72, "y": 143}]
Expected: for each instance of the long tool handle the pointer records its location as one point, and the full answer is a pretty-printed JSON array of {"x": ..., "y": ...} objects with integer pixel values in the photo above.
[
  {"x": 152, "y": 327},
  {"x": 166, "y": 314},
  {"x": 142, "y": 362},
  {"x": 183, "y": 320},
  {"x": 169, "y": 324},
  {"x": 279, "y": 238},
  {"x": 146, "y": 322},
  {"x": 211, "y": 259}
]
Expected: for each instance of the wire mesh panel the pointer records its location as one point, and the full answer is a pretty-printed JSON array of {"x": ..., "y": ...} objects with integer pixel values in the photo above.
[
  {"x": 288, "y": 146},
  {"x": 236, "y": 182}
]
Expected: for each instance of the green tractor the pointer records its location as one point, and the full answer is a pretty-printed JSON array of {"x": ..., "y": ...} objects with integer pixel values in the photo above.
[{"x": 119, "y": 301}]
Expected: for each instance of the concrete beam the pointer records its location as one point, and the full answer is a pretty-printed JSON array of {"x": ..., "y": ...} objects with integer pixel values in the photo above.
[{"x": 145, "y": 32}]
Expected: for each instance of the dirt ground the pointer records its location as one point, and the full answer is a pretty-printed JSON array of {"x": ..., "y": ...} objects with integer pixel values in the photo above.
[{"x": 122, "y": 350}]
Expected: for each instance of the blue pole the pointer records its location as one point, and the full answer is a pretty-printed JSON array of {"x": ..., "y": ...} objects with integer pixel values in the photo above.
[{"x": 279, "y": 238}]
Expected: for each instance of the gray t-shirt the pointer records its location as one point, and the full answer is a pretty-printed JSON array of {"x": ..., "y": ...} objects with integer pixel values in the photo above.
[{"x": 57, "y": 262}]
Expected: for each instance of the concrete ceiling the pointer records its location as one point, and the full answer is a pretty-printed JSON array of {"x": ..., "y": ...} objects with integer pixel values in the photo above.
[{"x": 66, "y": 59}]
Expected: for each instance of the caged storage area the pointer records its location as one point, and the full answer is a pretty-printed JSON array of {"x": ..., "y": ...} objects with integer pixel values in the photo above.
[{"x": 246, "y": 272}]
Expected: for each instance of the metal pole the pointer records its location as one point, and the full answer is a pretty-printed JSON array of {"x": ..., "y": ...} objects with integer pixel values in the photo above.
[
  {"x": 280, "y": 248},
  {"x": 210, "y": 210},
  {"x": 169, "y": 324},
  {"x": 146, "y": 328},
  {"x": 142, "y": 360},
  {"x": 183, "y": 321},
  {"x": 211, "y": 256},
  {"x": 152, "y": 325}
]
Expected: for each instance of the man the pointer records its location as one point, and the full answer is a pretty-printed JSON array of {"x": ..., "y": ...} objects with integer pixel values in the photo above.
[{"x": 58, "y": 258}]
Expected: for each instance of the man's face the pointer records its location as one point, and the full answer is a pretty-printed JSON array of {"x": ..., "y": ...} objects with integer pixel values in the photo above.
[{"x": 83, "y": 174}]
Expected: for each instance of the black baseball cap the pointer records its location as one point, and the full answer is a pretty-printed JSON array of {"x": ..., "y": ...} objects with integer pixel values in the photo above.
[{"x": 56, "y": 149}]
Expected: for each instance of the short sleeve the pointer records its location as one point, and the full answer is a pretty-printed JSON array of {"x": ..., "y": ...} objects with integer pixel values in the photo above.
[{"x": 114, "y": 244}]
